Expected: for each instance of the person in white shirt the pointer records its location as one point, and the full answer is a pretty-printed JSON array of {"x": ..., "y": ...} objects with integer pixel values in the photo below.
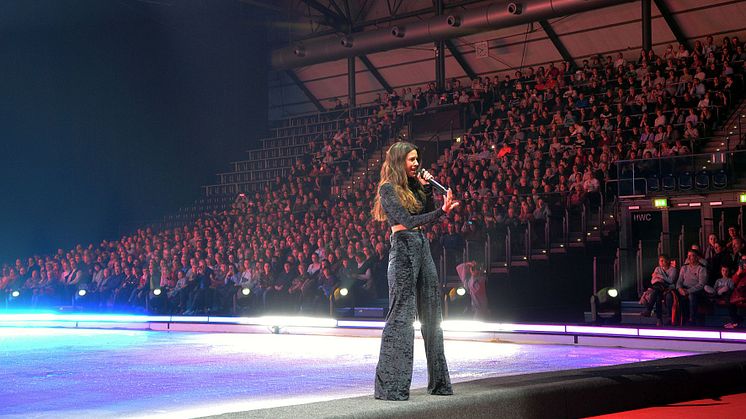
[
  {"x": 663, "y": 279},
  {"x": 723, "y": 287}
]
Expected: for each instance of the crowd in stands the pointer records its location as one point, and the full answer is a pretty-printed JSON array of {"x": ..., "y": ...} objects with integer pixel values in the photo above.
[
  {"x": 538, "y": 142},
  {"x": 715, "y": 276}
]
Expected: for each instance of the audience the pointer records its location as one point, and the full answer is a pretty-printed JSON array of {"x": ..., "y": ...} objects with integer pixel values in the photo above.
[{"x": 539, "y": 143}]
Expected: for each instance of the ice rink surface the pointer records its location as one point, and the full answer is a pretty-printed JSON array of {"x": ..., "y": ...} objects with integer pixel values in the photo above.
[{"x": 116, "y": 373}]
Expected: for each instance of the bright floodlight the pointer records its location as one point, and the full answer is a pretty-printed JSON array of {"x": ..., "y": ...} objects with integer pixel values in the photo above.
[
  {"x": 461, "y": 291},
  {"x": 613, "y": 292},
  {"x": 343, "y": 292},
  {"x": 82, "y": 293},
  {"x": 245, "y": 291},
  {"x": 157, "y": 292},
  {"x": 15, "y": 294}
]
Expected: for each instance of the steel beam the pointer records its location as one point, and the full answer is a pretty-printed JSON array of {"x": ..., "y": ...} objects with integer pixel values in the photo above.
[
  {"x": 440, "y": 53},
  {"x": 460, "y": 59},
  {"x": 298, "y": 82},
  {"x": 671, "y": 22},
  {"x": 351, "y": 89},
  {"x": 647, "y": 25},
  {"x": 549, "y": 30},
  {"x": 374, "y": 71},
  {"x": 337, "y": 21},
  {"x": 438, "y": 28}
]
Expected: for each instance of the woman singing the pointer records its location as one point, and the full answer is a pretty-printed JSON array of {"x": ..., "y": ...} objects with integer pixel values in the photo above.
[{"x": 405, "y": 200}]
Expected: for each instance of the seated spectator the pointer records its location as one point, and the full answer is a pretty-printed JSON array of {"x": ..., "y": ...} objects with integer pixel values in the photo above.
[
  {"x": 689, "y": 287},
  {"x": 720, "y": 292},
  {"x": 662, "y": 280}
]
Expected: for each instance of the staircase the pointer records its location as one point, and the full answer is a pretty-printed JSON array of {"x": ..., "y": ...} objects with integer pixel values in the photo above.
[
  {"x": 732, "y": 133},
  {"x": 368, "y": 170}
]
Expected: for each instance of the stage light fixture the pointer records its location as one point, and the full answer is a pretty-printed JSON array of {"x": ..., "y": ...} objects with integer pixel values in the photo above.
[
  {"x": 461, "y": 291},
  {"x": 515, "y": 8},
  {"x": 454, "y": 21},
  {"x": 606, "y": 306},
  {"x": 398, "y": 31},
  {"x": 343, "y": 292},
  {"x": 82, "y": 293},
  {"x": 299, "y": 51},
  {"x": 157, "y": 292},
  {"x": 346, "y": 42},
  {"x": 15, "y": 294},
  {"x": 245, "y": 291}
]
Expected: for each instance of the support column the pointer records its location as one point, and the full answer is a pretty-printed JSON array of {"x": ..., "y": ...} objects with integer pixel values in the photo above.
[
  {"x": 647, "y": 25},
  {"x": 351, "y": 92},
  {"x": 440, "y": 66},
  {"x": 440, "y": 55}
]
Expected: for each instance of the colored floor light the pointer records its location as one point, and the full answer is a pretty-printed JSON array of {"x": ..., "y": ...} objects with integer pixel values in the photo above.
[
  {"x": 598, "y": 330},
  {"x": 733, "y": 336},
  {"x": 361, "y": 324},
  {"x": 686, "y": 334}
]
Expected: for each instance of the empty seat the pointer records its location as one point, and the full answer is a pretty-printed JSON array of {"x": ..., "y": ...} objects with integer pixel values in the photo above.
[
  {"x": 654, "y": 184},
  {"x": 720, "y": 179},
  {"x": 685, "y": 181},
  {"x": 702, "y": 180},
  {"x": 668, "y": 182}
]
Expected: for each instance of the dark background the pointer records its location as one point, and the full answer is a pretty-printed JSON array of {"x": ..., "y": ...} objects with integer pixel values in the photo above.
[{"x": 114, "y": 112}]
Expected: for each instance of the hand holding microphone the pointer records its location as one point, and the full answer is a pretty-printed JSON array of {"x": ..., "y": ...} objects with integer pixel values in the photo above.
[
  {"x": 448, "y": 203},
  {"x": 425, "y": 177}
]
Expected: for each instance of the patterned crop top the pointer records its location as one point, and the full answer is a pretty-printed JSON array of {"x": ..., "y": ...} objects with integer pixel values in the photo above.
[{"x": 397, "y": 214}]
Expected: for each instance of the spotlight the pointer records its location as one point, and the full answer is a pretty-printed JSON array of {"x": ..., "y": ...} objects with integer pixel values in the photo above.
[
  {"x": 515, "y": 8},
  {"x": 245, "y": 291},
  {"x": 398, "y": 31},
  {"x": 340, "y": 294},
  {"x": 461, "y": 291},
  {"x": 157, "y": 292},
  {"x": 454, "y": 21},
  {"x": 82, "y": 293},
  {"x": 607, "y": 295},
  {"x": 458, "y": 139},
  {"x": 606, "y": 307},
  {"x": 346, "y": 42},
  {"x": 15, "y": 294}
]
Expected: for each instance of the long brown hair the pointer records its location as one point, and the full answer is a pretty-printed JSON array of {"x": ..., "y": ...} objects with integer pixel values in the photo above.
[{"x": 393, "y": 171}]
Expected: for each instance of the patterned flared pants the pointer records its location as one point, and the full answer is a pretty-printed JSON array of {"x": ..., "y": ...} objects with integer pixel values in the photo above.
[{"x": 413, "y": 289}]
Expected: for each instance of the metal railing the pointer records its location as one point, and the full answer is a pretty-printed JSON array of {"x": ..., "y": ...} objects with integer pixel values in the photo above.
[{"x": 633, "y": 175}]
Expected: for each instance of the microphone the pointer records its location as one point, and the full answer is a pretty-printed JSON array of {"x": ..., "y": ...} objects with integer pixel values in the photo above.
[{"x": 433, "y": 182}]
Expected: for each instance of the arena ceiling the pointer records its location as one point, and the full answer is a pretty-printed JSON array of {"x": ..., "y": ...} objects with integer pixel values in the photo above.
[{"x": 576, "y": 37}]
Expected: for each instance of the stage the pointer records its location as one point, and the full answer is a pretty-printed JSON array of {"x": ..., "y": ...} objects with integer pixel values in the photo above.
[{"x": 104, "y": 371}]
